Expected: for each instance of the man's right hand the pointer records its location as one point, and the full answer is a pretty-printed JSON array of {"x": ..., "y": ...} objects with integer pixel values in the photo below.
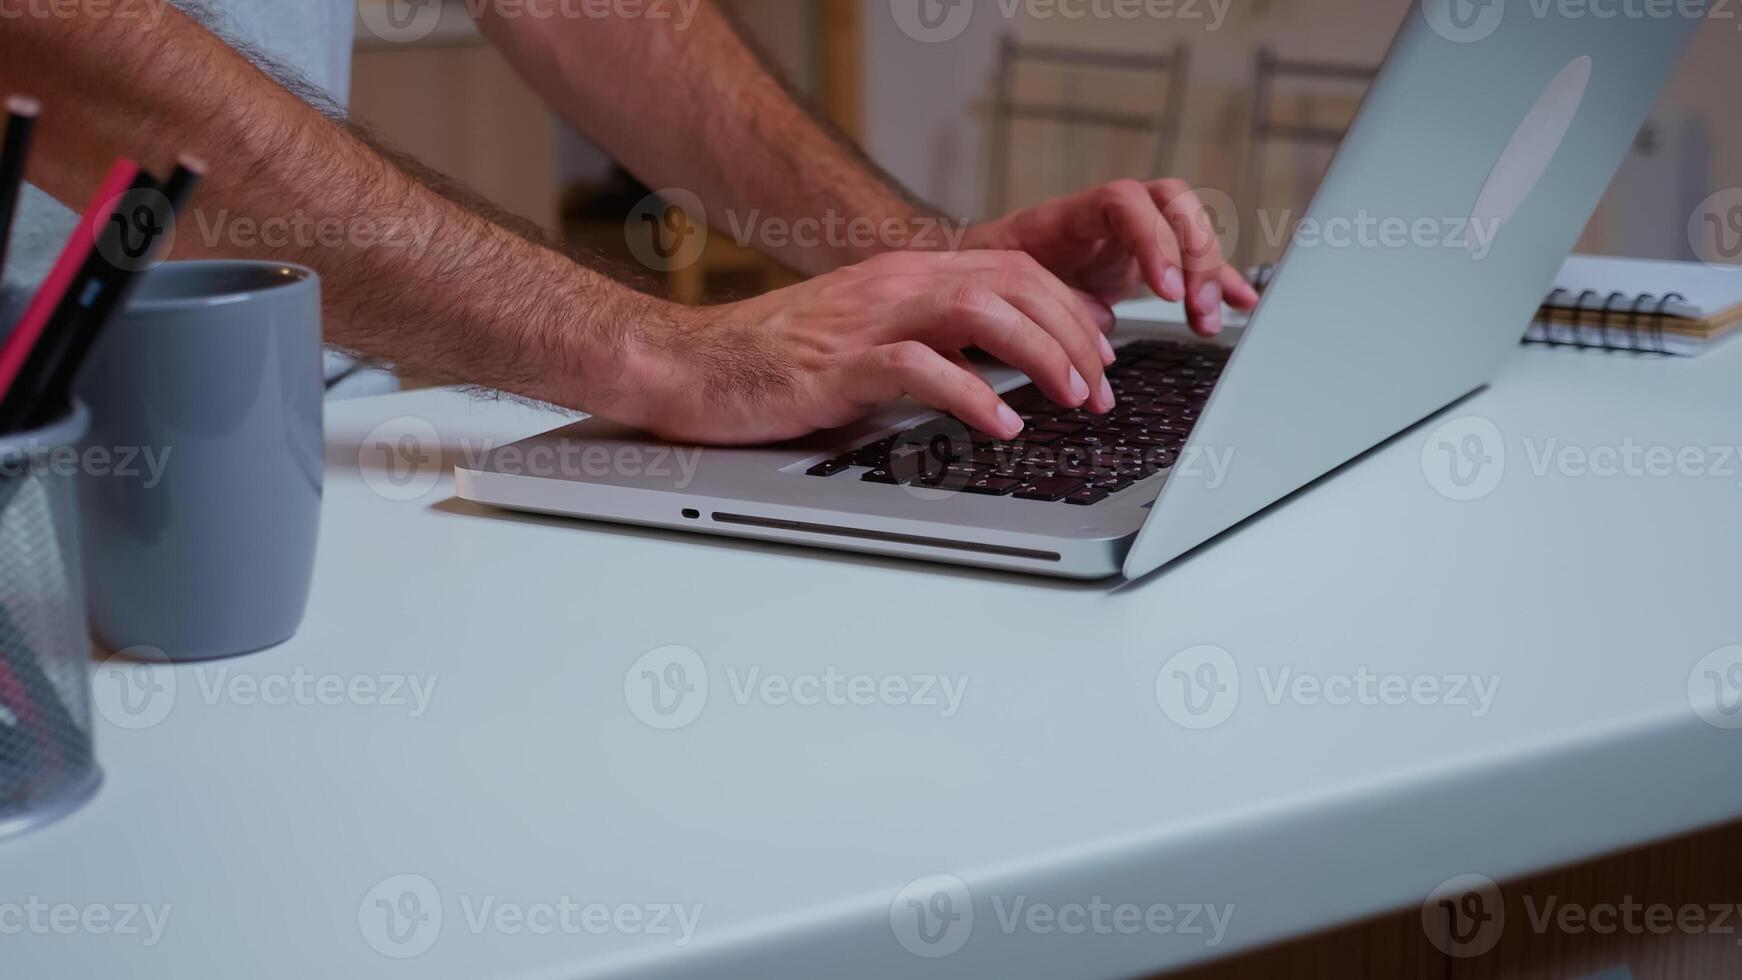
[{"x": 828, "y": 351}]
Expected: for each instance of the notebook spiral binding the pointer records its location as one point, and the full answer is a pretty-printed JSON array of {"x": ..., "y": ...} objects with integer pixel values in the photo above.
[{"x": 1637, "y": 322}]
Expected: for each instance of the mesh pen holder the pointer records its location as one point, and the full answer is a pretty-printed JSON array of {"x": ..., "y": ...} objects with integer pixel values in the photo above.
[{"x": 47, "y": 764}]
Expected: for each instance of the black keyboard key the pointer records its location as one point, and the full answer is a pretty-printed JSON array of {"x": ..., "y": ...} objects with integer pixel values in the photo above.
[
  {"x": 989, "y": 456},
  {"x": 1061, "y": 426},
  {"x": 1073, "y": 461},
  {"x": 829, "y": 468},
  {"x": 992, "y": 486},
  {"x": 874, "y": 455},
  {"x": 881, "y": 475},
  {"x": 1050, "y": 489},
  {"x": 1156, "y": 460},
  {"x": 1106, "y": 459},
  {"x": 1087, "y": 496}
]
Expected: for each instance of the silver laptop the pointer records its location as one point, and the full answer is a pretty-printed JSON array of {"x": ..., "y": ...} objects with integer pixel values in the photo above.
[{"x": 1480, "y": 152}]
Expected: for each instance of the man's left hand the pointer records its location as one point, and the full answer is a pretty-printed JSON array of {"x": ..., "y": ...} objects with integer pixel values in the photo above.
[{"x": 1107, "y": 240}]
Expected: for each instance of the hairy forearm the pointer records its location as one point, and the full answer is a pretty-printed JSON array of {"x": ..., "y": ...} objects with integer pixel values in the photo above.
[
  {"x": 685, "y": 103},
  {"x": 409, "y": 276}
]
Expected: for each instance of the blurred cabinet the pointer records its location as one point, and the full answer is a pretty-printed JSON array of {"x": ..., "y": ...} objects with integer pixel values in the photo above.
[
  {"x": 455, "y": 104},
  {"x": 450, "y": 100}
]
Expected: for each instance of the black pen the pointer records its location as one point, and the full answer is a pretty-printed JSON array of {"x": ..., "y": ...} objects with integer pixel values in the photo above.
[
  {"x": 131, "y": 245},
  {"x": 21, "y": 113}
]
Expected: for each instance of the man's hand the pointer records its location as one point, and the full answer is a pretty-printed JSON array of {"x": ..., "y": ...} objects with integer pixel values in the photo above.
[
  {"x": 1106, "y": 240},
  {"x": 827, "y": 351}
]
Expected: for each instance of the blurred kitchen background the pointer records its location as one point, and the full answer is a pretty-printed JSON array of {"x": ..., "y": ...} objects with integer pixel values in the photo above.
[{"x": 1244, "y": 97}]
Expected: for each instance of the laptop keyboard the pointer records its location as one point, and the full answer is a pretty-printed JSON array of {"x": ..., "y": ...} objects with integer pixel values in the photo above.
[{"x": 1063, "y": 455}]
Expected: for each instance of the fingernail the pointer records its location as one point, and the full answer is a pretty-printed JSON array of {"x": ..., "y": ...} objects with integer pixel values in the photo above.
[
  {"x": 1107, "y": 394},
  {"x": 1173, "y": 285},
  {"x": 1107, "y": 355},
  {"x": 1210, "y": 298},
  {"x": 1079, "y": 387},
  {"x": 1212, "y": 324},
  {"x": 1011, "y": 421}
]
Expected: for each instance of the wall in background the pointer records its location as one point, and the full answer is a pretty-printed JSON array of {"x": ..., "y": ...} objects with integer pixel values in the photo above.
[
  {"x": 455, "y": 104},
  {"x": 927, "y": 118}
]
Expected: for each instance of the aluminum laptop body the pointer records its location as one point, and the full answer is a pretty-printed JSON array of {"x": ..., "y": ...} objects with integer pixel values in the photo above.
[{"x": 1478, "y": 156}]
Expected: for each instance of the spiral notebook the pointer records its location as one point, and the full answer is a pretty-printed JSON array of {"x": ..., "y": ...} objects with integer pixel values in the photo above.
[{"x": 1640, "y": 305}]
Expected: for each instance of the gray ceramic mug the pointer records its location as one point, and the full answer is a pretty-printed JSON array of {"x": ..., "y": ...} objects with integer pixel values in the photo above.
[{"x": 210, "y": 381}]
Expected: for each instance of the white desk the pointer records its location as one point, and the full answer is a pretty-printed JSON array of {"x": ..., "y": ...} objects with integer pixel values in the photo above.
[{"x": 1059, "y": 780}]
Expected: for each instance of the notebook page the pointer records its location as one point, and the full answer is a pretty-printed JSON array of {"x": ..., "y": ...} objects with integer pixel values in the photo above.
[{"x": 1709, "y": 291}]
